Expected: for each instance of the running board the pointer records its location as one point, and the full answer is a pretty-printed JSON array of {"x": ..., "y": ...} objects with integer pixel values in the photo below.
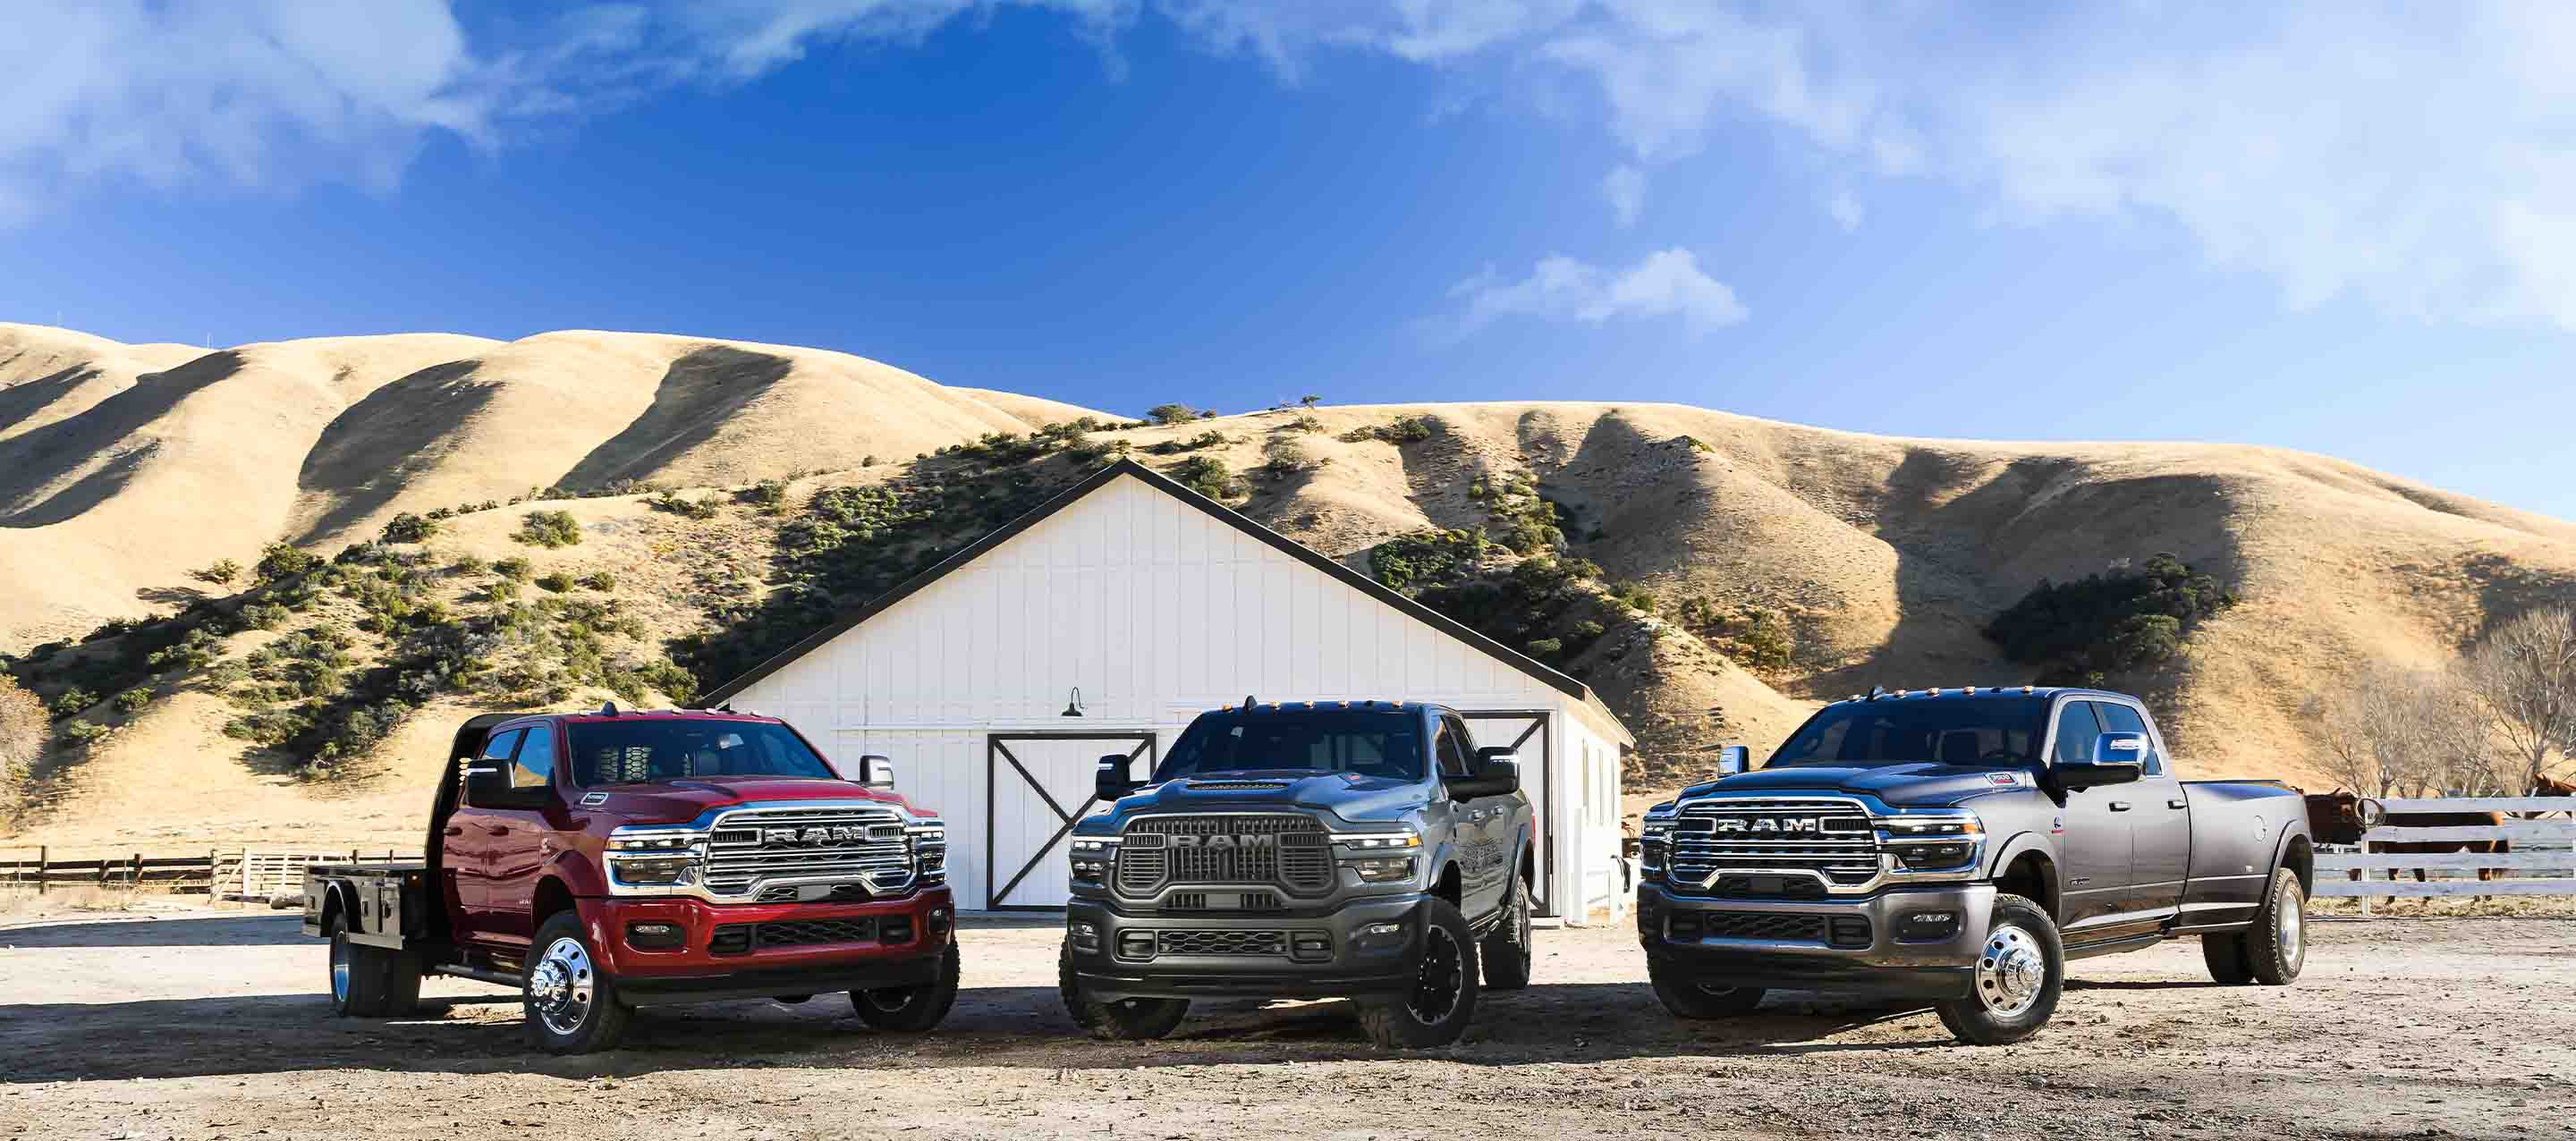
[
  {"x": 2114, "y": 946},
  {"x": 478, "y": 974}
]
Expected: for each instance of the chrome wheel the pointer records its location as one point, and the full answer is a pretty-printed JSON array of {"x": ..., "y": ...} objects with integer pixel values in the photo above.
[
  {"x": 561, "y": 987},
  {"x": 2291, "y": 924},
  {"x": 888, "y": 999},
  {"x": 2011, "y": 972},
  {"x": 1437, "y": 983},
  {"x": 340, "y": 967}
]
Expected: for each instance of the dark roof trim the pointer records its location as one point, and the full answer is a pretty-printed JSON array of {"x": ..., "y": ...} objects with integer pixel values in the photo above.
[{"x": 1214, "y": 510}]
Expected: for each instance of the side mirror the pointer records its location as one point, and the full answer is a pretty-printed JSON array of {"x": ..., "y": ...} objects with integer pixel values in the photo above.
[
  {"x": 876, "y": 771},
  {"x": 2121, "y": 748},
  {"x": 1499, "y": 770},
  {"x": 1110, "y": 781},
  {"x": 1733, "y": 759},
  {"x": 487, "y": 783}
]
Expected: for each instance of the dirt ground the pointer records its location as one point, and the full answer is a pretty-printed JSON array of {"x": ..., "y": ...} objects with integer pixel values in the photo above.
[{"x": 208, "y": 1025}]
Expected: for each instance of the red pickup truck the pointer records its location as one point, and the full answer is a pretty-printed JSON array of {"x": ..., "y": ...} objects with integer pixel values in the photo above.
[{"x": 600, "y": 862}]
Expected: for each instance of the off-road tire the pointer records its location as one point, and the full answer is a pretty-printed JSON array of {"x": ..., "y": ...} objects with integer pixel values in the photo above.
[
  {"x": 911, "y": 1009},
  {"x": 603, "y": 1019},
  {"x": 1448, "y": 949},
  {"x": 1990, "y": 1015},
  {"x": 2276, "y": 947},
  {"x": 1506, "y": 949},
  {"x": 1691, "y": 999},
  {"x": 2225, "y": 955},
  {"x": 1127, "y": 1020},
  {"x": 381, "y": 983}
]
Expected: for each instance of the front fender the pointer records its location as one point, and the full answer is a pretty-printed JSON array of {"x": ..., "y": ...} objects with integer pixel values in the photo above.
[
  {"x": 580, "y": 874},
  {"x": 2014, "y": 847}
]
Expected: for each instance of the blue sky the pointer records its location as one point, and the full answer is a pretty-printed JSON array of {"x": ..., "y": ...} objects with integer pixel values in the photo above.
[{"x": 2344, "y": 229}]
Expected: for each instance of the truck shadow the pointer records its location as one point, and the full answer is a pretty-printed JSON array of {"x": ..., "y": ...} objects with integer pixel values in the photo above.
[
  {"x": 1004, "y": 1026},
  {"x": 252, "y": 930}
]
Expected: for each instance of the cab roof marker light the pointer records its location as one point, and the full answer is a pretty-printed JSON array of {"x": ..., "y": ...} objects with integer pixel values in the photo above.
[
  {"x": 2028, "y": 689},
  {"x": 1970, "y": 691}
]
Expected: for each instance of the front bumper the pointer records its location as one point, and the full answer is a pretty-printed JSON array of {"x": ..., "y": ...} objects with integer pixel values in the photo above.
[
  {"x": 1883, "y": 961},
  {"x": 722, "y": 951},
  {"x": 1341, "y": 960}
]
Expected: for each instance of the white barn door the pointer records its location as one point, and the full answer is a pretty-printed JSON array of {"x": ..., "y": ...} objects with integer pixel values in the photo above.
[
  {"x": 1526, "y": 730},
  {"x": 1038, "y": 784}
]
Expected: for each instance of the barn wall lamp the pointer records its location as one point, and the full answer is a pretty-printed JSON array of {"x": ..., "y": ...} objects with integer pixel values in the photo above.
[{"x": 1073, "y": 704}]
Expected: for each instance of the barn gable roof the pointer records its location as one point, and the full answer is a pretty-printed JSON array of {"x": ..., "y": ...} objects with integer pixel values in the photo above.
[{"x": 1553, "y": 679}]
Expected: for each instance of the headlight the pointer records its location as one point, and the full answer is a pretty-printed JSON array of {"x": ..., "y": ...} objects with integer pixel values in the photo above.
[
  {"x": 651, "y": 871},
  {"x": 1091, "y": 857},
  {"x": 1944, "y": 841},
  {"x": 1382, "y": 869},
  {"x": 1355, "y": 844},
  {"x": 929, "y": 837},
  {"x": 653, "y": 856}
]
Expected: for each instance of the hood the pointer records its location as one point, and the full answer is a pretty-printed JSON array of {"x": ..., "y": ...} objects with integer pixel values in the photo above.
[
  {"x": 1920, "y": 784},
  {"x": 680, "y": 801},
  {"x": 1347, "y": 795}
]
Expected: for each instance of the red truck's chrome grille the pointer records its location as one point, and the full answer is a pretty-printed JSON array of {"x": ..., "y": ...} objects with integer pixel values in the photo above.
[
  {"x": 1289, "y": 850},
  {"x": 754, "y": 848},
  {"x": 1714, "y": 840}
]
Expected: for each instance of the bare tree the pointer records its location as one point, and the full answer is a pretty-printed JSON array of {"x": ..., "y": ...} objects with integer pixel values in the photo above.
[
  {"x": 2376, "y": 734},
  {"x": 2524, "y": 675},
  {"x": 23, "y": 726}
]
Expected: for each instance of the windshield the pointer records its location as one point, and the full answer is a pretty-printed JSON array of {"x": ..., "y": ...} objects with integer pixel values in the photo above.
[
  {"x": 1387, "y": 745},
  {"x": 1890, "y": 731},
  {"x": 637, "y": 752}
]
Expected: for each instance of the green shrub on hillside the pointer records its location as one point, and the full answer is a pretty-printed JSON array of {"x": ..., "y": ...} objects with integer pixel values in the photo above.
[
  {"x": 80, "y": 733},
  {"x": 599, "y": 580},
  {"x": 1544, "y": 605},
  {"x": 705, "y": 507},
  {"x": 1425, "y": 558},
  {"x": 409, "y": 528},
  {"x": 132, "y": 700},
  {"x": 282, "y": 560},
  {"x": 1409, "y": 430},
  {"x": 555, "y": 583},
  {"x": 1208, "y": 476},
  {"x": 514, "y": 569},
  {"x": 1173, "y": 414},
  {"x": 71, "y": 701},
  {"x": 470, "y": 566},
  {"x": 2108, "y": 623},
  {"x": 221, "y": 573},
  {"x": 548, "y": 529},
  {"x": 265, "y": 615}
]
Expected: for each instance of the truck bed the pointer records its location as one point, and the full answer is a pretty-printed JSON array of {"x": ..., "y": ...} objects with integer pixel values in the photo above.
[{"x": 388, "y": 903}]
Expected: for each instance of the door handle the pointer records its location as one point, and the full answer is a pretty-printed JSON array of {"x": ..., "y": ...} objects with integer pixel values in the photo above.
[
  {"x": 2119, "y": 806},
  {"x": 504, "y": 829},
  {"x": 2177, "y": 802},
  {"x": 455, "y": 829}
]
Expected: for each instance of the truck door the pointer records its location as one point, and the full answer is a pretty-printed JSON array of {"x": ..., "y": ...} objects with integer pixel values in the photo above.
[
  {"x": 466, "y": 844},
  {"x": 1484, "y": 823},
  {"x": 521, "y": 840},
  {"x": 2097, "y": 822},
  {"x": 2160, "y": 834}
]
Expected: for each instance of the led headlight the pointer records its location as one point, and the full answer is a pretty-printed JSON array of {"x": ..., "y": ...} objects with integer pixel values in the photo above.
[
  {"x": 929, "y": 838},
  {"x": 651, "y": 871},
  {"x": 1091, "y": 857},
  {"x": 1382, "y": 870},
  {"x": 1934, "y": 841}
]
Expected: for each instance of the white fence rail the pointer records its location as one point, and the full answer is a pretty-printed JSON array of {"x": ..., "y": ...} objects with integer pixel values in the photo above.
[{"x": 2540, "y": 855}]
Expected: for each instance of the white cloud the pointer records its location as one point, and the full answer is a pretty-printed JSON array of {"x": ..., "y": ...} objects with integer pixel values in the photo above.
[
  {"x": 1624, "y": 188},
  {"x": 1667, "y": 283},
  {"x": 1845, "y": 210}
]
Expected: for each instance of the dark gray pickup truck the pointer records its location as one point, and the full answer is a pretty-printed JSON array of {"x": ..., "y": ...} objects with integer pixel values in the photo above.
[
  {"x": 1304, "y": 850},
  {"x": 1962, "y": 846}
]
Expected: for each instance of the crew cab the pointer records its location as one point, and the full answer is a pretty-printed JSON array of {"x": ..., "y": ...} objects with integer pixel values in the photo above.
[
  {"x": 602, "y": 862},
  {"x": 1365, "y": 849},
  {"x": 1962, "y": 846}
]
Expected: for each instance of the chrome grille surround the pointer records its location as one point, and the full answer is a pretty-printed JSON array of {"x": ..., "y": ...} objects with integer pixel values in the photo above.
[
  {"x": 811, "y": 851},
  {"x": 1708, "y": 838},
  {"x": 1156, "y": 852}
]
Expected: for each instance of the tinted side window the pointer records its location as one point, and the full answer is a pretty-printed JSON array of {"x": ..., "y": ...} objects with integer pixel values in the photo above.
[
  {"x": 1452, "y": 750},
  {"x": 502, "y": 745},
  {"x": 2076, "y": 730},
  {"x": 536, "y": 761},
  {"x": 2118, "y": 718}
]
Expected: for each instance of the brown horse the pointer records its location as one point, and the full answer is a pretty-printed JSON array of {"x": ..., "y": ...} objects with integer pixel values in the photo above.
[
  {"x": 2549, "y": 786},
  {"x": 2377, "y": 817}
]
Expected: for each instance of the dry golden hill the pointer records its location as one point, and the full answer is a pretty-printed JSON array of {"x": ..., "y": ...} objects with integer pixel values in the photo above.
[
  {"x": 130, "y": 465},
  {"x": 1878, "y": 559}
]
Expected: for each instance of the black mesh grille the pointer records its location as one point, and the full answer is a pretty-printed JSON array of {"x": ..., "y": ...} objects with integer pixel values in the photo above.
[
  {"x": 1768, "y": 887},
  {"x": 736, "y": 938},
  {"x": 1186, "y": 942},
  {"x": 1774, "y": 927},
  {"x": 1291, "y": 851}
]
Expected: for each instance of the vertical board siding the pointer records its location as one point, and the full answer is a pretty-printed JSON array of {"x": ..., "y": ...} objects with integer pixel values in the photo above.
[{"x": 1155, "y": 611}]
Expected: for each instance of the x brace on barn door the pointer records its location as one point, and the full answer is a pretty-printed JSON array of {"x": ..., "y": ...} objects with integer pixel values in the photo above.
[
  {"x": 995, "y": 752},
  {"x": 1538, "y": 723}
]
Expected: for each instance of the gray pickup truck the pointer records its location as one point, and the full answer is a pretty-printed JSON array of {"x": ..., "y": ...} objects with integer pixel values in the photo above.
[
  {"x": 1363, "y": 849},
  {"x": 1962, "y": 846}
]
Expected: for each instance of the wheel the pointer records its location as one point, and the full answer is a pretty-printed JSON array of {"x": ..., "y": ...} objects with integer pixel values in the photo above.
[
  {"x": 2276, "y": 947},
  {"x": 2019, "y": 975},
  {"x": 1443, "y": 997},
  {"x": 571, "y": 1005},
  {"x": 1126, "y": 1020},
  {"x": 791, "y": 999},
  {"x": 1506, "y": 949},
  {"x": 1690, "y": 998},
  {"x": 911, "y": 1009},
  {"x": 370, "y": 982},
  {"x": 2225, "y": 955}
]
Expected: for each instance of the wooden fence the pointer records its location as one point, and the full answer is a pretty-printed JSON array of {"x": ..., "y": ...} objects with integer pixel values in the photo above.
[
  {"x": 229, "y": 873},
  {"x": 2541, "y": 859}
]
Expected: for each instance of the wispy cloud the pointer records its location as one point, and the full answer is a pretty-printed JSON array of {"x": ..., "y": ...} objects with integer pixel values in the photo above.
[
  {"x": 1667, "y": 283},
  {"x": 1624, "y": 188},
  {"x": 1844, "y": 209}
]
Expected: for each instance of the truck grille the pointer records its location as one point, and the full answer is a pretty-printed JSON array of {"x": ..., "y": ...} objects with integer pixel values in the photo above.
[
  {"x": 738, "y": 938},
  {"x": 845, "y": 846},
  {"x": 1195, "y": 942},
  {"x": 1715, "y": 841},
  {"x": 1767, "y": 926},
  {"x": 1288, "y": 850}
]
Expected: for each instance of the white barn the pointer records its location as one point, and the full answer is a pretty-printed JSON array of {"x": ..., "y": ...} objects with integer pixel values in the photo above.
[{"x": 1142, "y": 603}]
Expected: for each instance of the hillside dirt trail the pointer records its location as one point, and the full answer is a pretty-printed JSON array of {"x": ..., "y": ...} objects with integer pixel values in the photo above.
[{"x": 214, "y": 1026}]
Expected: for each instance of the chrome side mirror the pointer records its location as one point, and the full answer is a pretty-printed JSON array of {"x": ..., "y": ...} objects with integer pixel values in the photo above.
[
  {"x": 1733, "y": 759},
  {"x": 876, "y": 771},
  {"x": 2121, "y": 748}
]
